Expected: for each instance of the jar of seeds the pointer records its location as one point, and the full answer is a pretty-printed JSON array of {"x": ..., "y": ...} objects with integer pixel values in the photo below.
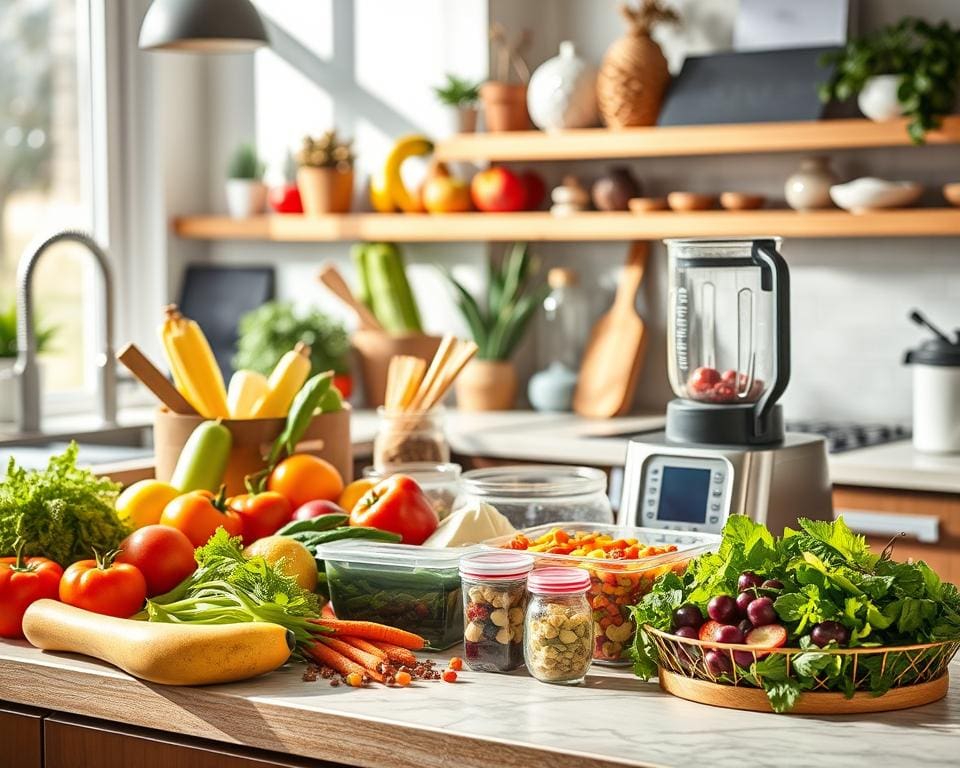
[
  {"x": 558, "y": 631},
  {"x": 494, "y": 603}
]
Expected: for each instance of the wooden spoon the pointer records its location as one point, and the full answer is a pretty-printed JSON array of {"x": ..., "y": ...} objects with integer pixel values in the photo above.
[{"x": 330, "y": 276}]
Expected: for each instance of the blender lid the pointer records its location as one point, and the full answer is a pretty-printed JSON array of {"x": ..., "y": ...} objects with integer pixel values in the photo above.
[{"x": 934, "y": 352}]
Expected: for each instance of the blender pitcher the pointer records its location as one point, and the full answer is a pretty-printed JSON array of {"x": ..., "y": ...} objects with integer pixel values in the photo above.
[{"x": 728, "y": 340}]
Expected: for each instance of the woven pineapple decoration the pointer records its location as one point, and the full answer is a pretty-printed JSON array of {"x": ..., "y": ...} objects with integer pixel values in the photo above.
[{"x": 634, "y": 76}]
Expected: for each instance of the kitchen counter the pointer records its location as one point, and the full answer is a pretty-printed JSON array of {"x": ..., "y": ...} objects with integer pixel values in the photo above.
[{"x": 483, "y": 720}]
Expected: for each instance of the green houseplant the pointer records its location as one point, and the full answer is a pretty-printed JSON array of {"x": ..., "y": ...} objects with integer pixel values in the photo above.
[
  {"x": 489, "y": 382},
  {"x": 910, "y": 68},
  {"x": 459, "y": 98},
  {"x": 245, "y": 190},
  {"x": 325, "y": 174}
]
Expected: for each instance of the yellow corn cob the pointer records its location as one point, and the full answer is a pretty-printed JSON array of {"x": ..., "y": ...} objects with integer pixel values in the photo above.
[
  {"x": 194, "y": 368},
  {"x": 245, "y": 391},
  {"x": 285, "y": 381}
]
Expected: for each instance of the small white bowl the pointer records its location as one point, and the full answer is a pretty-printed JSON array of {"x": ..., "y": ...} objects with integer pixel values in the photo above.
[{"x": 869, "y": 193}]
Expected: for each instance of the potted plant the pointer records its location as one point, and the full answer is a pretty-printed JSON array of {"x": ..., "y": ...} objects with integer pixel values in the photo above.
[
  {"x": 8, "y": 357},
  {"x": 505, "y": 102},
  {"x": 271, "y": 330},
  {"x": 459, "y": 96},
  {"x": 910, "y": 69},
  {"x": 246, "y": 192},
  {"x": 489, "y": 381},
  {"x": 325, "y": 174}
]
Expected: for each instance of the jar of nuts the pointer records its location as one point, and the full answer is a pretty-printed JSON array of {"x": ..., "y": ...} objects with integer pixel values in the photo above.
[
  {"x": 558, "y": 633},
  {"x": 494, "y": 602}
]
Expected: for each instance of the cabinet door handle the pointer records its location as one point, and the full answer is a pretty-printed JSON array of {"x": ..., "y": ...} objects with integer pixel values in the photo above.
[{"x": 923, "y": 528}]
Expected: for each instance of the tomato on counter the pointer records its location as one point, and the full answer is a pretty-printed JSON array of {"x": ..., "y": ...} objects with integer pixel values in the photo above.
[
  {"x": 304, "y": 477},
  {"x": 164, "y": 556},
  {"x": 262, "y": 513},
  {"x": 24, "y": 580},
  {"x": 199, "y": 513},
  {"x": 397, "y": 504},
  {"x": 104, "y": 586}
]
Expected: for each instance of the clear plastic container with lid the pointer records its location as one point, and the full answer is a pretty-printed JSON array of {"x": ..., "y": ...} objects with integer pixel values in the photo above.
[
  {"x": 558, "y": 630},
  {"x": 494, "y": 604}
]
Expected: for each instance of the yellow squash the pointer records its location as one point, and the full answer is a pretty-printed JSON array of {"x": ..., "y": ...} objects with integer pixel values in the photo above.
[
  {"x": 245, "y": 391},
  {"x": 285, "y": 381},
  {"x": 194, "y": 368}
]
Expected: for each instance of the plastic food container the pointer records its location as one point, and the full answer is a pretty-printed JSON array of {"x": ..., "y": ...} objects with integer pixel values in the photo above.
[
  {"x": 409, "y": 587},
  {"x": 537, "y": 494},
  {"x": 440, "y": 482},
  {"x": 617, "y": 584},
  {"x": 558, "y": 630}
]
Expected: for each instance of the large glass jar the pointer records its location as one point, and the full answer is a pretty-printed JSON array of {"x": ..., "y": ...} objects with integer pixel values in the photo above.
[
  {"x": 537, "y": 494},
  {"x": 440, "y": 482},
  {"x": 404, "y": 437},
  {"x": 494, "y": 605},
  {"x": 724, "y": 329},
  {"x": 558, "y": 630}
]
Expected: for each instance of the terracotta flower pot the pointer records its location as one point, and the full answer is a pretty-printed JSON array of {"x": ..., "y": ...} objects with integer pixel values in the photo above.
[
  {"x": 325, "y": 190},
  {"x": 487, "y": 385},
  {"x": 505, "y": 106}
]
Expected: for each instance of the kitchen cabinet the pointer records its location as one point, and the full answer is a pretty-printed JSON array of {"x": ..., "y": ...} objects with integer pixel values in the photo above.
[{"x": 21, "y": 737}]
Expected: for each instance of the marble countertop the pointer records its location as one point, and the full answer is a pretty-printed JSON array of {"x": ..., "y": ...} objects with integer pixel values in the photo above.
[{"x": 510, "y": 721}]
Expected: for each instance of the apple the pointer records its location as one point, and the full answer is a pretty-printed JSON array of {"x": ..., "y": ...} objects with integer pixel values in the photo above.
[
  {"x": 317, "y": 508},
  {"x": 445, "y": 194},
  {"x": 498, "y": 190},
  {"x": 535, "y": 190},
  {"x": 286, "y": 199}
]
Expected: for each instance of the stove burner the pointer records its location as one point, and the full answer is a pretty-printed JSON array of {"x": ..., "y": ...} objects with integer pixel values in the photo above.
[{"x": 845, "y": 436}]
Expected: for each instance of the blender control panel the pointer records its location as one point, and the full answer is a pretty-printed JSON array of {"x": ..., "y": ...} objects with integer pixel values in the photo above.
[{"x": 684, "y": 493}]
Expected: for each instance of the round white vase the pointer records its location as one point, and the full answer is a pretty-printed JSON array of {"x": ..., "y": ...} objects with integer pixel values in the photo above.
[
  {"x": 245, "y": 197},
  {"x": 878, "y": 98},
  {"x": 562, "y": 92}
]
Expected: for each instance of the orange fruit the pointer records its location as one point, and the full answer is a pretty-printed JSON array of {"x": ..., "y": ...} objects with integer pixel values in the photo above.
[
  {"x": 304, "y": 477},
  {"x": 353, "y": 493}
]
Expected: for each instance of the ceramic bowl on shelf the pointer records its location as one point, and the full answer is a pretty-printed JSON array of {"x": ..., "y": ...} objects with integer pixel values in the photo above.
[
  {"x": 690, "y": 201},
  {"x": 951, "y": 193},
  {"x": 647, "y": 204},
  {"x": 869, "y": 193},
  {"x": 741, "y": 201}
]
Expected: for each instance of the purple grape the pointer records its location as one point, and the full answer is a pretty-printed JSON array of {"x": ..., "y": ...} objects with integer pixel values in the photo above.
[
  {"x": 773, "y": 584},
  {"x": 760, "y": 612},
  {"x": 826, "y": 631},
  {"x": 743, "y": 600},
  {"x": 723, "y": 608},
  {"x": 748, "y": 580},
  {"x": 718, "y": 663},
  {"x": 685, "y": 631},
  {"x": 743, "y": 658},
  {"x": 729, "y": 634},
  {"x": 687, "y": 616},
  {"x": 745, "y": 626}
]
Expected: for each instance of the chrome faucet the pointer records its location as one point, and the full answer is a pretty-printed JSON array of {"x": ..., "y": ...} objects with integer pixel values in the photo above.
[{"x": 26, "y": 370}]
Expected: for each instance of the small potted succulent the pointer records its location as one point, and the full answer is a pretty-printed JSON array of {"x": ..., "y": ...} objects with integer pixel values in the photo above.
[
  {"x": 8, "y": 357},
  {"x": 325, "y": 174},
  {"x": 459, "y": 96},
  {"x": 909, "y": 69},
  {"x": 246, "y": 192}
]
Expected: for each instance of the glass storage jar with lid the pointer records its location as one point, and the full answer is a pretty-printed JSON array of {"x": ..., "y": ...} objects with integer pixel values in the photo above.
[
  {"x": 535, "y": 494},
  {"x": 409, "y": 436},
  {"x": 558, "y": 630}
]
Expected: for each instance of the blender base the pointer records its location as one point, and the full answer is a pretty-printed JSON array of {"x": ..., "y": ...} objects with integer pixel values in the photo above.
[{"x": 702, "y": 423}]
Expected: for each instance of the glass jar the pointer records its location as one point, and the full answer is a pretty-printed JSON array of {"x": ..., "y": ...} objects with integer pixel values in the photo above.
[
  {"x": 440, "y": 482},
  {"x": 531, "y": 495},
  {"x": 405, "y": 437},
  {"x": 558, "y": 629},
  {"x": 494, "y": 605}
]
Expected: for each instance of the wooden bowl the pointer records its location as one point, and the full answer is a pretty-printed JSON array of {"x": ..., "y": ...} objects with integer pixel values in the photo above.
[
  {"x": 690, "y": 201},
  {"x": 950, "y": 191},
  {"x": 647, "y": 204},
  {"x": 741, "y": 201}
]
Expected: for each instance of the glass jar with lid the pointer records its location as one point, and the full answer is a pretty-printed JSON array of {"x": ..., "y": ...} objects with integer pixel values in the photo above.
[
  {"x": 558, "y": 629},
  {"x": 409, "y": 436},
  {"x": 535, "y": 494},
  {"x": 440, "y": 482},
  {"x": 494, "y": 605}
]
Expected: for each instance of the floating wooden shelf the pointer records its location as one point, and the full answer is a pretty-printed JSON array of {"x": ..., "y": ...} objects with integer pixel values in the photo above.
[
  {"x": 592, "y": 226},
  {"x": 675, "y": 141}
]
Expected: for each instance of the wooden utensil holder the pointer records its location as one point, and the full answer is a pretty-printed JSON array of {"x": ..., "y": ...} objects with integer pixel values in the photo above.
[{"x": 374, "y": 350}]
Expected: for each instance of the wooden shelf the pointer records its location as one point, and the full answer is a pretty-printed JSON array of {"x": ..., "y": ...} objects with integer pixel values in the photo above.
[
  {"x": 675, "y": 141},
  {"x": 592, "y": 226}
]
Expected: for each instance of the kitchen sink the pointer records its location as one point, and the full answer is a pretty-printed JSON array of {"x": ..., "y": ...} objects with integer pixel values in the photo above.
[{"x": 103, "y": 446}]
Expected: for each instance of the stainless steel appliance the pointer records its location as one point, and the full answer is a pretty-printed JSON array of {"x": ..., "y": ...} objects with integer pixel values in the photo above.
[{"x": 724, "y": 450}]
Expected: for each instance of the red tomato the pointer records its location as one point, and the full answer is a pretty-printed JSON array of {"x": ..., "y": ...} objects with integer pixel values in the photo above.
[
  {"x": 397, "y": 504},
  {"x": 164, "y": 556},
  {"x": 703, "y": 380},
  {"x": 286, "y": 199},
  {"x": 24, "y": 580},
  {"x": 498, "y": 190},
  {"x": 344, "y": 383},
  {"x": 103, "y": 586},
  {"x": 317, "y": 508},
  {"x": 534, "y": 190},
  {"x": 261, "y": 513},
  {"x": 198, "y": 514}
]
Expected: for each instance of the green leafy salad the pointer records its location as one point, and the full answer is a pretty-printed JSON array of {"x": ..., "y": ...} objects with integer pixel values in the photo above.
[{"x": 815, "y": 589}]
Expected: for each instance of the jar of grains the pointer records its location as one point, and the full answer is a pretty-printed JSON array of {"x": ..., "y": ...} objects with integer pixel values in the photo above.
[
  {"x": 409, "y": 436},
  {"x": 558, "y": 631},
  {"x": 494, "y": 603}
]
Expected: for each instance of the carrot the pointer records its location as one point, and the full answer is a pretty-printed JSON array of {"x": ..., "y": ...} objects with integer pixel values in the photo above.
[
  {"x": 327, "y": 611},
  {"x": 370, "y": 630},
  {"x": 330, "y": 658},
  {"x": 396, "y": 654},
  {"x": 366, "y": 660},
  {"x": 366, "y": 645}
]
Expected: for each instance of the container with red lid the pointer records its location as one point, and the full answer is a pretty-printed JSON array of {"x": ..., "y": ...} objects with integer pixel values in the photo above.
[
  {"x": 494, "y": 602},
  {"x": 558, "y": 630}
]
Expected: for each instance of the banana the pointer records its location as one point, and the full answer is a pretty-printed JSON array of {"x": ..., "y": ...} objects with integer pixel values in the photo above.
[
  {"x": 194, "y": 368},
  {"x": 406, "y": 146},
  {"x": 168, "y": 654},
  {"x": 245, "y": 391},
  {"x": 285, "y": 381},
  {"x": 380, "y": 197}
]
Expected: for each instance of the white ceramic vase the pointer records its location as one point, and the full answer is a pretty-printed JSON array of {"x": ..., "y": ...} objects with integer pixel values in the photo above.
[
  {"x": 878, "y": 98},
  {"x": 8, "y": 390},
  {"x": 808, "y": 188},
  {"x": 245, "y": 197},
  {"x": 562, "y": 92},
  {"x": 458, "y": 119}
]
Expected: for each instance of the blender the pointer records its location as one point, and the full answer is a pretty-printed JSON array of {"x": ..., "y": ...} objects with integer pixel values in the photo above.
[{"x": 724, "y": 450}]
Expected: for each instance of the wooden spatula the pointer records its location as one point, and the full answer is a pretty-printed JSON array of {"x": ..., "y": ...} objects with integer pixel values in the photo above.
[
  {"x": 331, "y": 277},
  {"x": 151, "y": 377},
  {"x": 615, "y": 351}
]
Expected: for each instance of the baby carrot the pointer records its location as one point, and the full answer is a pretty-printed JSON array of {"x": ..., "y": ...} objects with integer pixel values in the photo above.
[
  {"x": 369, "y": 630},
  {"x": 366, "y": 645},
  {"x": 396, "y": 654},
  {"x": 366, "y": 660},
  {"x": 330, "y": 658}
]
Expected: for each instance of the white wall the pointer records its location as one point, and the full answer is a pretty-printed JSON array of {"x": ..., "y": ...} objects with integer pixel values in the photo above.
[{"x": 369, "y": 73}]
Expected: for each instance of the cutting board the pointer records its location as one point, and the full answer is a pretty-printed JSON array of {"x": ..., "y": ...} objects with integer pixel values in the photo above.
[{"x": 614, "y": 354}]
